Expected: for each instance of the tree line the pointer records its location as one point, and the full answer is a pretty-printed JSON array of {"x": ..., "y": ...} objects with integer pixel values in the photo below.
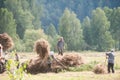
[{"x": 28, "y": 20}]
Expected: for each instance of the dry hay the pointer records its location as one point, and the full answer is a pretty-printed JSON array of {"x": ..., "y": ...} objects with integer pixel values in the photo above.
[
  {"x": 100, "y": 69},
  {"x": 42, "y": 48},
  {"x": 72, "y": 60},
  {"x": 6, "y": 41},
  {"x": 39, "y": 63}
]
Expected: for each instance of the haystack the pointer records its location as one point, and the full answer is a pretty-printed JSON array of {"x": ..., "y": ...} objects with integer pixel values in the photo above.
[
  {"x": 42, "y": 48},
  {"x": 39, "y": 63},
  {"x": 100, "y": 69},
  {"x": 6, "y": 41},
  {"x": 72, "y": 60},
  {"x": 66, "y": 61}
]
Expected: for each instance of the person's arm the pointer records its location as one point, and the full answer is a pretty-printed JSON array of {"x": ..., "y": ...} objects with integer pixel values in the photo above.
[{"x": 107, "y": 55}]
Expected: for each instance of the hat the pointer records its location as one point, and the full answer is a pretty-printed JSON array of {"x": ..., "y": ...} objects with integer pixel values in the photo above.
[{"x": 112, "y": 50}]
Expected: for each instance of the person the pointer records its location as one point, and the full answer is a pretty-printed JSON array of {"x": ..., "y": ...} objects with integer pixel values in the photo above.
[
  {"x": 1, "y": 54},
  {"x": 60, "y": 46},
  {"x": 50, "y": 59},
  {"x": 2, "y": 60},
  {"x": 110, "y": 56},
  {"x": 17, "y": 60}
]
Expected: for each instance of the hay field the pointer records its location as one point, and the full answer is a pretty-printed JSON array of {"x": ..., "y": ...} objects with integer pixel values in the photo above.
[{"x": 81, "y": 75}]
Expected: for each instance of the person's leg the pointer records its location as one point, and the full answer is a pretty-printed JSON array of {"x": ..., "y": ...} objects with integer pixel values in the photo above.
[
  {"x": 61, "y": 50},
  {"x": 112, "y": 67},
  {"x": 58, "y": 50},
  {"x": 108, "y": 67}
]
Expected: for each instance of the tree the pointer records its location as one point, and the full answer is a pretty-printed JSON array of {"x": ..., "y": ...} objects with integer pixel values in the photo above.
[
  {"x": 31, "y": 36},
  {"x": 36, "y": 8},
  {"x": 7, "y": 23},
  {"x": 113, "y": 16},
  {"x": 70, "y": 29},
  {"x": 51, "y": 31},
  {"x": 52, "y": 36},
  {"x": 101, "y": 37},
  {"x": 86, "y": 26},
  {"x": 22, "y": 16}
]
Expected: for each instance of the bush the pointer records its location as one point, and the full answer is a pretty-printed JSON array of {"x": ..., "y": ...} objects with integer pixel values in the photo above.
[{"x": 14, "y": 72}]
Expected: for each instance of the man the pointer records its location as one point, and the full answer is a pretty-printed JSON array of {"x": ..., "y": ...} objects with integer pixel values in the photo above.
[
  {"x": 60, "y": 46},
  {"x": 110, "y": 56},
  {"x": 50, "y": 59}
]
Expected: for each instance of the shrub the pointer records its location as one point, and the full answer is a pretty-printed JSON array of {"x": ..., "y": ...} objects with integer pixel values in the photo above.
[{"x": 13, "y": 71}]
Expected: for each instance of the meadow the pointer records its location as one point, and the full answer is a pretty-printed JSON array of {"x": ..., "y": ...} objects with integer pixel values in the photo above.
[{"x": 84, "y": 72}]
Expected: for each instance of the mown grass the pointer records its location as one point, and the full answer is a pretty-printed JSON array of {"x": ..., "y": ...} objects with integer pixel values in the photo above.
[{"x": 83, "y": 72}]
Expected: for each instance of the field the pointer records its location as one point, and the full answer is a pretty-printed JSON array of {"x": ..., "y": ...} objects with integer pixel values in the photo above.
[{"x": 75, "y": 75}]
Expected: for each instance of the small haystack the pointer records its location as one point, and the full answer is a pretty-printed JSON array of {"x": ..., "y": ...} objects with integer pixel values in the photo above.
[
  {"x": 6, "y": 41},
  {"x": 72, "y": 60},
  {"x": 100, "y": 69},
  {"x": 39, "y": 63}
]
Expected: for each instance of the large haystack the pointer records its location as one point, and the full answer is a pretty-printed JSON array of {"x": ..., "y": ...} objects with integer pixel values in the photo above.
[
  {"x": 6, "y": 41},
  {"x": 100, "y": 69},
  {"x": 39, "y": 63}
]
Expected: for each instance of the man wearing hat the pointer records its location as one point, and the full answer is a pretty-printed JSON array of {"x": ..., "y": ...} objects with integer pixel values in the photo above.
[{"x": 110, "y": 56}]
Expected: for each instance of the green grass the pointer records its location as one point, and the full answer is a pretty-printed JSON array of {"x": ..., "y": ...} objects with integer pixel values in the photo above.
[{"x": 84, "y": 67}]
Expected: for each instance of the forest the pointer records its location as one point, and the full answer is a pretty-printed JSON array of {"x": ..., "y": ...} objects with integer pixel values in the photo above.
[{"x": 84, "y": 24}]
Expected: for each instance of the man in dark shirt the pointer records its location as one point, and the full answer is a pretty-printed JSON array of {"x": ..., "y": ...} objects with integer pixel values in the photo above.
[
  {"x": 60, "y": 46},
  {"x": 110, "y": 56}
]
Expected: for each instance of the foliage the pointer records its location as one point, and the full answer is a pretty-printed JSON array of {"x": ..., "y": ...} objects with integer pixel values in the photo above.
[
  {"x": 7, "y": 23},
  {"x": 31, "y": 36},
  {"x": 86, "y": 26},
  {"x": 54, "y": 9},
  {"x": 70, "y": 29},
  {"x": 22, "y": 16},
  {"x": 19, "y": 45},
  {"x": 101, "y": 36},
  {"x": 13, "y": 72},
  {"x": 52, "y": 36},
  {"x": 19, "y": 15},
  {"x": 113, "y": 16}
]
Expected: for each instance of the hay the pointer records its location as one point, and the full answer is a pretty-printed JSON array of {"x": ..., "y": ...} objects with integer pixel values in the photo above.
[
  {"x": 40, "y": 65},
  {"x": 100, "y": 69},
  {"x": 6, "y": 41},
  {"x": 42, "y": 48},
  {"x": 72, "y": 60},
  {"x": 37, "y": 65}
]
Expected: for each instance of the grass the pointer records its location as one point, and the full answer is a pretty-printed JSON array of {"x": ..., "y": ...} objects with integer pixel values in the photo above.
[{"x": 84, "y": 72}]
